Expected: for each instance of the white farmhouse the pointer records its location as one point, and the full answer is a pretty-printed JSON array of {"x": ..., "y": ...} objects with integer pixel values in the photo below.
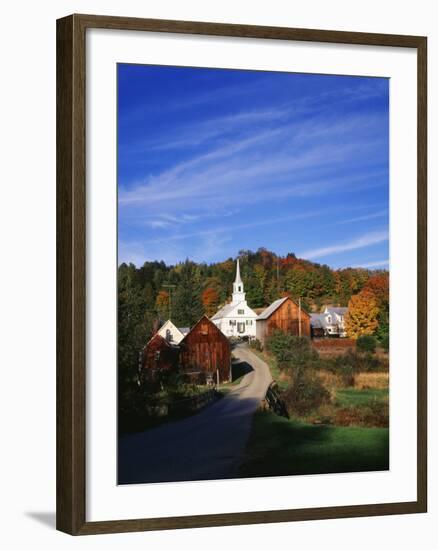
[
  {"x": 331, "y": 322},
  {"x": 172, "y": 333},
  {"x": 236, "y": 318}
]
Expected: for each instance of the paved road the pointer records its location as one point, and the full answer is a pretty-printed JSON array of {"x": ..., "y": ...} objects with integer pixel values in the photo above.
[{"x": 208, "y": 445}]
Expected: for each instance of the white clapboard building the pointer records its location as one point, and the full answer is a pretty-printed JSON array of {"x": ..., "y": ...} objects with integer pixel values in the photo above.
[{"x": 236, "y": 318}]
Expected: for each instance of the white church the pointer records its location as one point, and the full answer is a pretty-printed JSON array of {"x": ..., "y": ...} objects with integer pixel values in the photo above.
[{"x": 236, "y": 318}]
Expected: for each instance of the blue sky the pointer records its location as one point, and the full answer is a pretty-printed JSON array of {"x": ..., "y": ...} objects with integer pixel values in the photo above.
[{"x": 212, "y": 161}]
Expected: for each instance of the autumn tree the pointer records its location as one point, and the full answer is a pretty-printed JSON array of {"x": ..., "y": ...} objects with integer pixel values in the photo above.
[
  {"x": 362, "y": 315},
  {"x": 378, "y": 284},
  {"x": 210, "y": 300}
]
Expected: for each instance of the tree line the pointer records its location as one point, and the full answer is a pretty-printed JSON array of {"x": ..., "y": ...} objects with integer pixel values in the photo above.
[{"x": 184, "y": 292}]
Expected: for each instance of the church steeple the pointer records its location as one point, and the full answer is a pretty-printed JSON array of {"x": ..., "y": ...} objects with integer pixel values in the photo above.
[
  {"x": 238, "y": 279},
  {"x": 238, "y": 293}
]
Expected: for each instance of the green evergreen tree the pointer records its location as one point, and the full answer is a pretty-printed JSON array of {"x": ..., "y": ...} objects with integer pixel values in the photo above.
[
  {"x": 134, "y": 328},
  {"x": 187, "y": 306}
]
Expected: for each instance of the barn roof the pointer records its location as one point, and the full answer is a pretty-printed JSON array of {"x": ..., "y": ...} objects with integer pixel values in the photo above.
[
  {"x": 158, "y": 336},
  {"x": 203, "y": 318},
  {"x": 273, "y": 307},
  {"x": 270, "y": 309},
  {"x": 184, "y": 330}
]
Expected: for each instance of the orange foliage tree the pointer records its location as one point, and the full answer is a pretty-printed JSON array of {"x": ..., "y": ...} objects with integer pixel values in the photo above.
[
  {"x": 210, "y": 301},
  {"x": 379, "y": 286},
  {"x": 362, "y": 316}
]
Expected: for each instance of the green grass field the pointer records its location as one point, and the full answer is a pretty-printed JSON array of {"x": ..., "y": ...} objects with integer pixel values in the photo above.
[
  {"x": 278, "y": 446},
  {"x": 350, "y": 397}
]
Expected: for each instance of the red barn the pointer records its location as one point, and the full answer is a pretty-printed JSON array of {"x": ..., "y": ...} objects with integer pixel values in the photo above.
[
  {"x": 283, "y": 314},
  {"x": 204, "y": 351},
  {"x": 159, "y": 354}
]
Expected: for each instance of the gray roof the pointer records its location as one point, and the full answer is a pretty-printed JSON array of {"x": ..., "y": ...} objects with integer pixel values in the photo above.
[
  {"x": 224, "y": 311},
  {"x": 270, "y": 309},
  {"x": 184, "y": 330},
  {"x": 318, "y": 320},
  {"x": 338, "y": 310}
]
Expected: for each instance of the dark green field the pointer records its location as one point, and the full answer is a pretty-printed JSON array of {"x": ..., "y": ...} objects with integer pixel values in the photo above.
[
  {"x": 278, "y": 446},
  {"x": 360, "y": 398}
]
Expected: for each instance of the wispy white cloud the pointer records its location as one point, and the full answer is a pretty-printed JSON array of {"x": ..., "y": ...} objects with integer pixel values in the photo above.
[
  {"x": 235, "y": 227},
  {"x": 372, "y": 216},
  {"x": 274, "y": 163},
  {"x": 138, "y": 252},
  {"x": 231, "y": 92},
  {"x": 210, "y": 129},
  {"x": 289, "y": 157},
  {"x": 363, "y": 241},
  {"x": 371, "y": 265}
]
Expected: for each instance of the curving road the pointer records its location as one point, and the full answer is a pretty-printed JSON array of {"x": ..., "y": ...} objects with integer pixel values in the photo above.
[{"x": 208, "y": 445}]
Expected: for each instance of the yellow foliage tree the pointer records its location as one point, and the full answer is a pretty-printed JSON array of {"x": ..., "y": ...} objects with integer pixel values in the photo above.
[{"x": 362, "y": 316}]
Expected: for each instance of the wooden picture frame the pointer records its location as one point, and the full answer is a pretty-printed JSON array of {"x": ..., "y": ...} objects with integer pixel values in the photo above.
[{"x": 71, "y": 273}]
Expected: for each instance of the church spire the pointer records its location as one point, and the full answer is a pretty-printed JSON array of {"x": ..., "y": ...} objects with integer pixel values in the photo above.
[
  {"x": 238, "y": 293},
  {"x": 238, "y": 279}
]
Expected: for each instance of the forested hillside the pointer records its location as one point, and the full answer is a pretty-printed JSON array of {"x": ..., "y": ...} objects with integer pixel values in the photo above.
[{"x": 185, "y": 291}]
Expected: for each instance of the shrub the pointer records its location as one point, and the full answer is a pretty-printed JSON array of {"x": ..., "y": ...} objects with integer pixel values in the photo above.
[
  {"x": 356, "y": 362},
  {"x": 278, "y": 344},
  {"x": 385, "y": 342},
  {"x": 366, "y": 342},
  {"x": 347, "y": 375},
  {"x": 256, "y": 344},
  {"x": 291, "y": 351},
  {"x": 376, "y": 414},
  {"x": 306, "y": 393},
  {"x": 371, "y": 380}
]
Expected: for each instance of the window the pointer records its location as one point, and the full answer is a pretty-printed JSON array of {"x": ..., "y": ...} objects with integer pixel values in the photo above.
[
  {"x": 169, "y": 336},
  {"x": 232, "y": 322},
  {"x": 239, "y": 288},
  {"x": 249, "y": 322},
  {"x": 240, "y": 312}
]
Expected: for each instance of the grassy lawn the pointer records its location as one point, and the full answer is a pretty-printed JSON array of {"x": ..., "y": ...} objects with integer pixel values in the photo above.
[
  {"x": 351, "y": 397},
  {"x": 278, "y": 446}
]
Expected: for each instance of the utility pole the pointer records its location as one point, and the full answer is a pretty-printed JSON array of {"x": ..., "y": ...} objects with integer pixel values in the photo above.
[
  {"x": 170, "y": 287},
  {"x": 299, "y": 317}
]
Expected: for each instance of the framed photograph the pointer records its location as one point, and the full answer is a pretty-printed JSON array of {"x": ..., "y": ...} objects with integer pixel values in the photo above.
[{"x": 241, "y": 274}]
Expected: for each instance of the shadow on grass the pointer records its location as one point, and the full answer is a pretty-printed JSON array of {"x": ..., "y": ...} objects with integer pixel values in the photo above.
[{"x": 278, "y": 446}]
